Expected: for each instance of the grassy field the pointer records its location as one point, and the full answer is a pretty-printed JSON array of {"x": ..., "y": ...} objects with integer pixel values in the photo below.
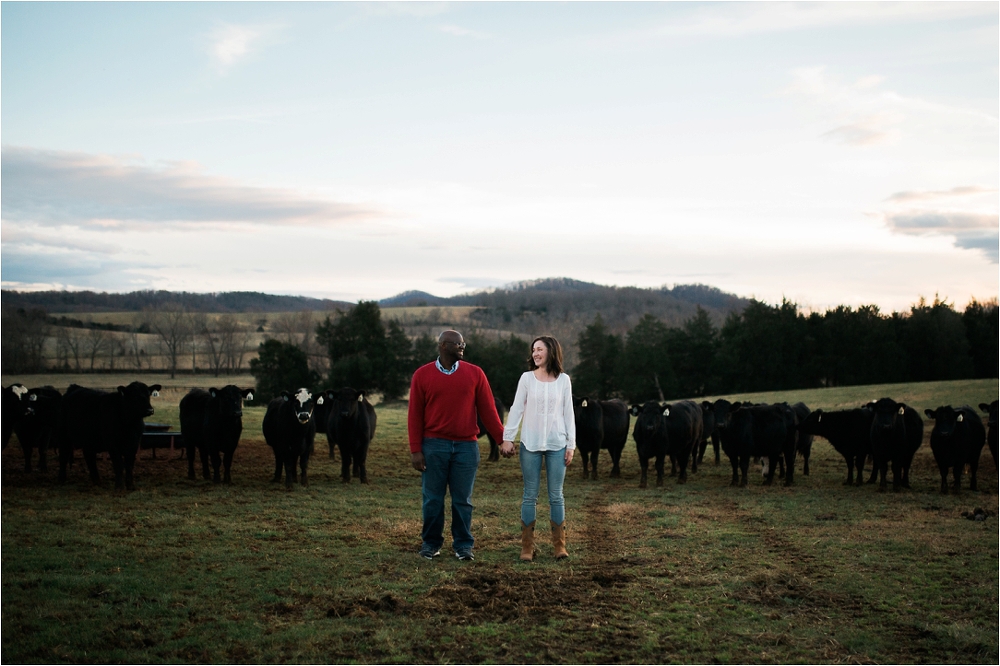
[{"x": 186, "y": 571}]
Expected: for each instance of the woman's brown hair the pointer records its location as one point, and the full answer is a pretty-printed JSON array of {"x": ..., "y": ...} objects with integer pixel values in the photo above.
[{"x": 555, "y": 360}]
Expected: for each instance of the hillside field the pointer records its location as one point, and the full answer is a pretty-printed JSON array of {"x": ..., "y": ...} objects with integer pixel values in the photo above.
[{"x": 187, "y": 571}]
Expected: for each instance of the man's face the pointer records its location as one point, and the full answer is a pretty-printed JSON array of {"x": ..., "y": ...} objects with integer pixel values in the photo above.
[{"x": 452, "y": 345}]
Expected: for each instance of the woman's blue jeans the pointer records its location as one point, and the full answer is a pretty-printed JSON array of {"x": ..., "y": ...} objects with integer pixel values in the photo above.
[
  {"x": 555, "y": 473},
  {"x": 451, "y": 466}
]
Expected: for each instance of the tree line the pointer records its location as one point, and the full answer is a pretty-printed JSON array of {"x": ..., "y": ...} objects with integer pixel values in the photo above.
[{"x": 771, "y": 348}]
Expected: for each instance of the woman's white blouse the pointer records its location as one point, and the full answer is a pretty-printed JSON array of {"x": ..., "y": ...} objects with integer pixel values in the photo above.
[{"x": 547, "y": 411}]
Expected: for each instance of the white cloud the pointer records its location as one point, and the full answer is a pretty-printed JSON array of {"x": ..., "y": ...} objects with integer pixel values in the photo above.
[
  {"x": 463, "y": 32},
  {"x": 746, "y": 18},
  {"x": 114, "y": 192},
  {"x": 967, "y": 214},
  {"x": 231, "y": 43}
]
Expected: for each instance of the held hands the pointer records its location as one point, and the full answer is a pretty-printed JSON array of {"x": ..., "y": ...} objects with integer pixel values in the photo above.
[
  {"x": 569, "y": 456},
  {"x": 507, "y": 449}
]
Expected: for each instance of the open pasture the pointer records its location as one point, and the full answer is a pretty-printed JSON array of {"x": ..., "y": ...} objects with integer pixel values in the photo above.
[{"x": 188, "y": 571}]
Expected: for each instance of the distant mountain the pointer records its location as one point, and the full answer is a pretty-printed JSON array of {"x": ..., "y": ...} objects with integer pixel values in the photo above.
[
  {"x": 410, "y": 299},
  {"x": 548, "y": 300},
  {"x": 228, "y": 301}
]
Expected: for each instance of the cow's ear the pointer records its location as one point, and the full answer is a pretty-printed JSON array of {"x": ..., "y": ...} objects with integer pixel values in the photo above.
[
  {"x": 736, "y": 405},
  {"x": 121, "y": 390},
  {"x": 213, "y": 391},
  {"x": 902, "y": 409},
  {"x": 961, "y": 417},
  {"x": 930, "y": 413},
  {"x": 32, "y": 397},
  {"x": 285, "y": 396},
  {"x": 634, "y": 410},
  {"x": 248, "y": 394},
  {"x": 584, "y": 403},
  {"x": 705, "y": 404},
  {"x": 319, "y": 400},
  {"x": 984, "y": 407},
  {"x": 154, "y": 390},
  {"x": 361, "y": 396},
  {"x": 666, "y": 410}
]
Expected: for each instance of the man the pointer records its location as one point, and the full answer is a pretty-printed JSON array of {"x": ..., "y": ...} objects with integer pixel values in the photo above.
[{"x": 445, "y": 398}]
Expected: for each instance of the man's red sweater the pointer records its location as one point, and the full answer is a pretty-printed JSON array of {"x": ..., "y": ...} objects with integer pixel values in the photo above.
[{"x": 446, "y": 406}]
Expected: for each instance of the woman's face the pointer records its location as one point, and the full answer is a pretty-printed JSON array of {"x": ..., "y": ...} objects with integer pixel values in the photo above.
[{"x": 540, "y": 355}]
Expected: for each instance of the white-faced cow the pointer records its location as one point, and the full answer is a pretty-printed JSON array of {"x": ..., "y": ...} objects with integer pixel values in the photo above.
[
  {"x": 290, "y": 431},
  {"x": 212, "y": 422},
  {"x": 36, "y": 426},
  {"x": 13, "y": 409},
  {"x": 991, "y": 435},
  {"x": 96, "y": 421},
  {"x": 351, "y": 426},
  {"x": 957, "y": 440}
]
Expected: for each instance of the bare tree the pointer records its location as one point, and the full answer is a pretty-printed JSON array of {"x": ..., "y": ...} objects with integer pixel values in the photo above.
[
  {"x": 23, "y": 340},
  {"x": 69, "y": 342},
  {"x": 117, "y": 348},
  {"x": 94, "y": 343},
  {"x": 234, "y": 341},
  {"x": 172, "y": 325}
]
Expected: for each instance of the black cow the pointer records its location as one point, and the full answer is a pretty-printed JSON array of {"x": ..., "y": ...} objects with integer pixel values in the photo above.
[
  {"x": 684, "y": 432},
  {"x": 849, "y": 432},
  {"x": 321, "y": 416},
  {"x": 351, "y": 427},
  {"x": 589, "y": 418},
  {"x": 760, "y": 431},
  {"x": 888, "y": 440},
  {"x": 37, "y": 424},
  {"x": 914, "y": 439},
  {"x": 709, "y": 432},
  {"x": 804, "y": 442},
  {"x": 991, "y": 436},
  {"x": 957, "y": 440},
  {"x": 290, "y": 431},
  {"x": 616, "y": 420},
  {"x": 212, "y": 422},
  {"x": 13, "y": 409},
  {"x": 600, "y": 424},
  {"x": 651, "y": 439},
  {"x": 97, "y": 421},
  {"x": 494, "y": 445}
]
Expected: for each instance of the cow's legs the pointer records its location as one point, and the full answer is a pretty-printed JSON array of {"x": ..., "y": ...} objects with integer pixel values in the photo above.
[
  {"x": 345, "y": 464},
  {"x": 119, "y": 466},
  {"x": 744, "y": 470},
  {"x": 228, "y": 463},
  {"x": 43, "y": 451},
  {"x": 361, "y": 460},
  {"x": 859, "y": 464},
  {"x": 190, "y": 446},
  {"x": 203, "y": 449},
  {"x": 957, "y": 473},
  {"x": 789, "y": 461},
  {"x": 734, "y": 461},
  {"x": 304, "y": 465},
  {"x": 644, "y": 467},
  {"x": 277, "y": 467},
  {"x": 616, "y": 457},
  {"x": 683, "y": 463},
  {"x": 291, "y": 474},
  {"x": 673, "y": 466},
  {"x": 216, "y": 464},
  {"x": 91, "y": 458},
  {"x": 659, "y": 470},
  {"x": 130, "y": 470}
]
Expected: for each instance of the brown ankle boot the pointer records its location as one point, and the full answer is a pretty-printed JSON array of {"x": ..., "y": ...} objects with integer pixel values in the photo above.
[
  {"x": 528, "y": 541},
  {"x": 559, "y": 540}
]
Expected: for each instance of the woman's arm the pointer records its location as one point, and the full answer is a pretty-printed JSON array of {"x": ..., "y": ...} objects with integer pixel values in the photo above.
[{"x": 516, "y": 412}]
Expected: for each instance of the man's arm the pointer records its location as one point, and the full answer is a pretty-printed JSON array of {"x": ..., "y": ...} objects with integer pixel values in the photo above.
[
  {"x": 487, "y": 408},
  {"x": 415, "y": 424}
]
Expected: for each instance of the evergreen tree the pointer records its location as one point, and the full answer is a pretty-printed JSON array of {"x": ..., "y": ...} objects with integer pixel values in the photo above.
[
  {"x": 646, "y": 371},
  {"x": 280, "y": 366},
  {"x": 934, "y": 337},
  {"x": 503, "y": 361},
  {"x": 600, "y": 352},
  {"x": 981, "y": 329}
]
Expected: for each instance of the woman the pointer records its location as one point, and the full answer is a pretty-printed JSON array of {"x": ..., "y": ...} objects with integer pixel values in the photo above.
[{"x": 544, "y": 401}]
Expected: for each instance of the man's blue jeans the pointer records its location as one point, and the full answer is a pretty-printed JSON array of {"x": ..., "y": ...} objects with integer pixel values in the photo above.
[
  {"x": 555, "y": 474},
  {"x": 450, "y": 466}
]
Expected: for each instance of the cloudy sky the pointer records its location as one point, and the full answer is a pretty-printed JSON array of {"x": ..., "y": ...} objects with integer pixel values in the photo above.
[{"x": 827, "y": 153}]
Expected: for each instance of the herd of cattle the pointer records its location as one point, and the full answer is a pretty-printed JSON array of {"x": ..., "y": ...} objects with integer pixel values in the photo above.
[{"x": 885, "y": 431}]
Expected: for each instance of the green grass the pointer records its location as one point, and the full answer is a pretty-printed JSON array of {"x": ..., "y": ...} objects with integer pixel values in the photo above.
[{"x": 185, "y": 571}]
